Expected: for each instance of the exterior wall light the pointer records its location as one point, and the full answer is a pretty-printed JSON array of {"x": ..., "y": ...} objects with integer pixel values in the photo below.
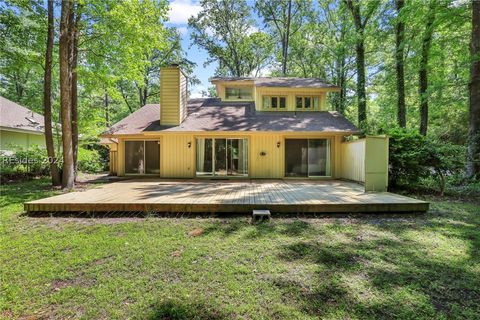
[
  {"x": 189, "y": 144},
  {"x": 278, "y": 144}
]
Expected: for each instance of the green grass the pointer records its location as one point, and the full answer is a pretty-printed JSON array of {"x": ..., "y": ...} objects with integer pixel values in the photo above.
[{"x": 417, "y": 267}]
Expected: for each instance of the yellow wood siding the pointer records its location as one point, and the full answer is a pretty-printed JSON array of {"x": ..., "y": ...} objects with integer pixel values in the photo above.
[
  {"x": 170, "y": 96},
  {"x": 269, "y": 165},
  {"x": 121, "y": 157},
  {"x": 113, "y": 161},
  {"x": 176, "y": 158}
]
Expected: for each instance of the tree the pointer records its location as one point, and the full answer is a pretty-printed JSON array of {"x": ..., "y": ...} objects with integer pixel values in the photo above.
[
  {"x": 423, "y": 70},
  {"x": 225, "y": 30},
  {"x": 74, "y": 19},
  {"x": 284, "y": 18},
  {"x": 322, "y": 49},
  {"x": 137, "y": 93},
  {"x": 23, "y": 31},
  {"x": 360, "y": 21},
  {"x": 399, "y": 52},
  {"x": 47, "y": 97},
  {"x": 473, "y": 148},
  {"x": 68, "y": 176}
]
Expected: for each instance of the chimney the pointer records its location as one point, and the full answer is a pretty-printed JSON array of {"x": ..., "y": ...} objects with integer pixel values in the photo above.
[{"x": 173, "y": 95}]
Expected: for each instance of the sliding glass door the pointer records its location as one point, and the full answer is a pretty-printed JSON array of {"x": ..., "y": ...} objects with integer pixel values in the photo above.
[
  {"x": 296, "y": 156},
  {"x": 307, "y": 158},
  {"x": 318, "y": 158},
  {"x": 222, "y": 157},
  {"x": 142, "y": 157}
]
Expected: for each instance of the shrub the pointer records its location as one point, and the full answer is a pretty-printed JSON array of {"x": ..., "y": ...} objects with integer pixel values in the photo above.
[
  {"x": 407, "y": 154},
  {"x": 24, "y": 163},
  {"x": 445, "y": 160},
  {"x": 89, "y": 161},
  {"x": 417, "y": 160}
]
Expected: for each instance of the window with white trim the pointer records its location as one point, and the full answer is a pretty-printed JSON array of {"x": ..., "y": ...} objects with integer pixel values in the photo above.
[
  {"x": 307, "y": 103},
  {"x": 274, "y": 102}
]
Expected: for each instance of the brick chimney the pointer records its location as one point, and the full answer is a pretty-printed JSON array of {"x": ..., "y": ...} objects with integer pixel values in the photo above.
[{"x": 173, "y": 95}]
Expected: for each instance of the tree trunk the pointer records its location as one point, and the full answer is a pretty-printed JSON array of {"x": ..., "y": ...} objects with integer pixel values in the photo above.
[
  {"x": 74, "y": 22},
  {"x": 354, "y": 7},
  {"x": 107, "y": 111},
  {"x": 361, "y": 92},
  {"x": 473, "y": 149},
  {"x": 68, "y": 176},
  {"x": 400, "y": 36},
  {"x": 47, "y": 99},
  {"x": 423, "y": 72},
  {"x": 287, "y": 39},
  {"x": 339, "y": 99}
]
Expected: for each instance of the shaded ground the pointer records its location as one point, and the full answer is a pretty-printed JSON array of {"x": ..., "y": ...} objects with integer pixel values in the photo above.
[{"x": 372, "y": 266}]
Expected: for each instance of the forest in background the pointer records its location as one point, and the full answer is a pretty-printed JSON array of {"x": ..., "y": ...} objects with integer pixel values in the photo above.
[{"x": 400, "y": 64}]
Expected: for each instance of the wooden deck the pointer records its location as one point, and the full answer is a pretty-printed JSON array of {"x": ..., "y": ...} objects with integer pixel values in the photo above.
[{"x": 288, "y": 196}]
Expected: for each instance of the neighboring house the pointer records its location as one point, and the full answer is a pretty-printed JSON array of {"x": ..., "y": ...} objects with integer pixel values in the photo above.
[
  {"x": 19, "y": 127},
  {"x": 257, "y": 128}
]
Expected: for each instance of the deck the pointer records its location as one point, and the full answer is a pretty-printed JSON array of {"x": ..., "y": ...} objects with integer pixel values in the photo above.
[{"x": 286, "y": 196}]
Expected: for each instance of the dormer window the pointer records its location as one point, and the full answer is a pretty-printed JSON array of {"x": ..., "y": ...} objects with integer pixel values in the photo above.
[
  {"x": 307, "y": 103},
  {"x": 274, "y": 102},
  {"x": 238, "y": 93}
]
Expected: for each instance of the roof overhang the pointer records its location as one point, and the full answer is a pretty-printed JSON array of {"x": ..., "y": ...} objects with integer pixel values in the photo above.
[
  {"x": 20, "y": 130},
  {"x": 233, "y": 82},
  {"x": 319, "y": 89}
]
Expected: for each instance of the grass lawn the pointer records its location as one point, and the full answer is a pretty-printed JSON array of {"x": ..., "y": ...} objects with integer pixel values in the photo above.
[{"x": 372, "y": 266}]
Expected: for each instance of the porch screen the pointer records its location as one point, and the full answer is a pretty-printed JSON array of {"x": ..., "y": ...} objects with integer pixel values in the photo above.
[
  {"x": 142, "y": 157},
  {"x": 307, "y": 158},
  {"x": 222, "y": 157}
]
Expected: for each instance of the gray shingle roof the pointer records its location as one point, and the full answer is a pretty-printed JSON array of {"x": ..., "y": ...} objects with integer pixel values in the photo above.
[
  {"x": 284, "y": 82},
  {"x": 213, "y": 115},
  {"x": 15, "y": 116}
]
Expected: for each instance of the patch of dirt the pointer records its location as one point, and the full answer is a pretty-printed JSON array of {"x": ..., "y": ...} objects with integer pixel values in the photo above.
[
  {"x": 176, "y": 253},
  {"x": 7, "y": 314},
  {"x": 196, "y": 232},
  {"x": 98, "y": 262},
  {"x": 79, "y": 281}
]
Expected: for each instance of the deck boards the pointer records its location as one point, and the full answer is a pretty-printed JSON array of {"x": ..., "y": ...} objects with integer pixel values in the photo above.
[{"x": 294, "y": 196}]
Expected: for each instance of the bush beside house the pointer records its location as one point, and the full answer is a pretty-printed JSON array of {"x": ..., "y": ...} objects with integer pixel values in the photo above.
[{"x": 419, "y": 163}]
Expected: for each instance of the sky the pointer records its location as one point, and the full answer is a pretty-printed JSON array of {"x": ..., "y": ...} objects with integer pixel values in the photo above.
[{"x": 180, "y": 11}]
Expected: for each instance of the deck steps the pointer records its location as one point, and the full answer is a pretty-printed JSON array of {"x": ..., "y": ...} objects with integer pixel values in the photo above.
[{"x": 260, "y": 214}]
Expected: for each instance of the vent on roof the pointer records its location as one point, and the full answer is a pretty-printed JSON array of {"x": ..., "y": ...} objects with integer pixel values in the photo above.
[{"x": 32, "y": 121}]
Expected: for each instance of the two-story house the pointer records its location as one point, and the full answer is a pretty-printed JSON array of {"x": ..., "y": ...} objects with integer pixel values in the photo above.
[{"x": 256, "y": 128}]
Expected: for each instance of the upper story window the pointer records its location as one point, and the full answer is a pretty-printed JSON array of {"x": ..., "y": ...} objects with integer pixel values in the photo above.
[
  {"x": 307, "y": 103},
  {"x": 240, "y": 93},
  {"x": 274, "y": 102}
]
